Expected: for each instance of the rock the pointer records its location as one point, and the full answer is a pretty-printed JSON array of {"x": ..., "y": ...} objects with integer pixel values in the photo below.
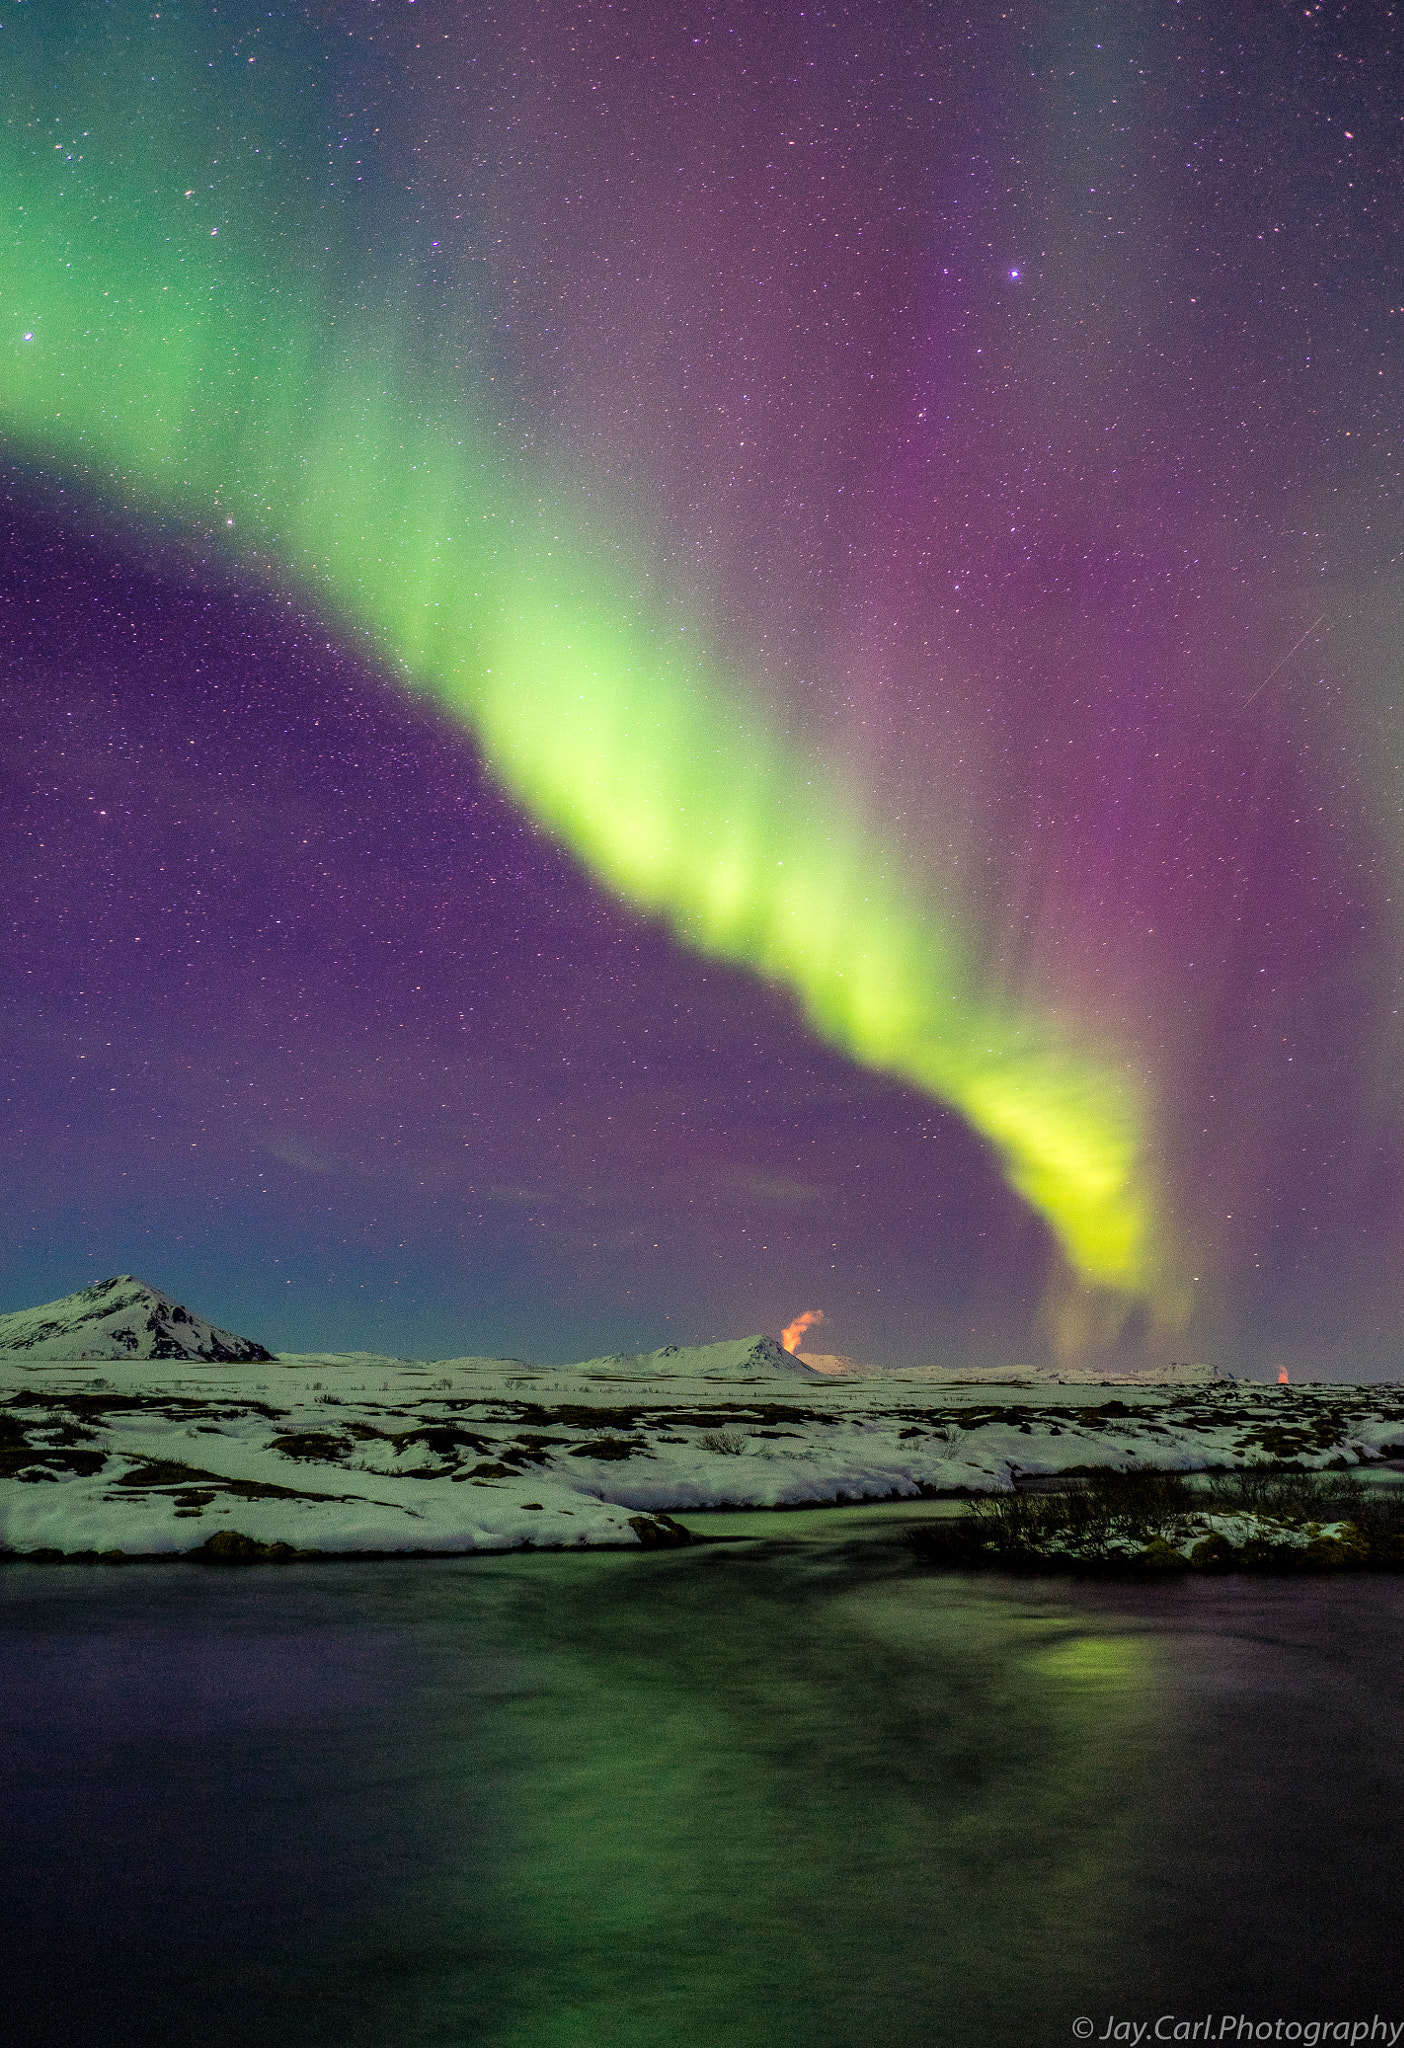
[
  {"x": 231, "y": 1547},
  {"x": 660, "y": 1532}
]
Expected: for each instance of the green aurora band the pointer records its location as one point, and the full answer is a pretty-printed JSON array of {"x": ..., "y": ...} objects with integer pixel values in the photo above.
[{"x": 179, "y": 335}]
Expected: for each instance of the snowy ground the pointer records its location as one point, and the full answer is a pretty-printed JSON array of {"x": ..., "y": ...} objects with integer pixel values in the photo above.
[{"x": 355, "y": 1453}]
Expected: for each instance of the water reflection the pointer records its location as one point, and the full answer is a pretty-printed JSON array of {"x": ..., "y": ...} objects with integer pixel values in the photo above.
[
  {"x": 797, "y": 1800},
  {"x": 780, "y": 1792}
]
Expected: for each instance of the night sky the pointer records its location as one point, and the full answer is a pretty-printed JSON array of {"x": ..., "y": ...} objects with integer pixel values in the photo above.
[{"x": 665, "y": 664}]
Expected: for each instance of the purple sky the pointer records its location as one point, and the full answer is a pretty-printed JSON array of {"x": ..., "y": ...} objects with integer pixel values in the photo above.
[{"x": 314, "y": 1030}]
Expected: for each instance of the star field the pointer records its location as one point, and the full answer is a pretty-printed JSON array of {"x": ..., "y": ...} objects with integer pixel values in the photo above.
[{"x": 663, "y": 666}]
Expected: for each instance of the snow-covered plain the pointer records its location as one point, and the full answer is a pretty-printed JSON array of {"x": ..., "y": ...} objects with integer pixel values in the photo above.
[{"x": 355, "y": 1453}]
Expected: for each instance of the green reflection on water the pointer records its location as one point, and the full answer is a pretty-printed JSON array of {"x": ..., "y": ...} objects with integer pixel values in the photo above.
[{"x": 792, "y": 1798}]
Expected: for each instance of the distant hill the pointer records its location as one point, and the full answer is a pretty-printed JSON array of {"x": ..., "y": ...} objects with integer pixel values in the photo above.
[
  {"x": 837, "y": 1367},
  {"x": 120, "y": 1318},
  {"x": 834, "y": 1365}
]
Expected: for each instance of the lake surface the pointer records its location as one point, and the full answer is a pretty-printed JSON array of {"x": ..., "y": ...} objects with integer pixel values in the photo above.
[{"x": 787, "y": 1792}]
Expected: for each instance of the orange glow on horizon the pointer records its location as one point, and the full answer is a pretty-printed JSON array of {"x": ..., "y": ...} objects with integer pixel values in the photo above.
[
  {"x": 792, "y": 1332},
  {"x": 1282, "y": 1379}
]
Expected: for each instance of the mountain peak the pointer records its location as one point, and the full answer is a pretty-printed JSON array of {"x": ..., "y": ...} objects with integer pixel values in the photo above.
[{"x": 119, "y": 1318}]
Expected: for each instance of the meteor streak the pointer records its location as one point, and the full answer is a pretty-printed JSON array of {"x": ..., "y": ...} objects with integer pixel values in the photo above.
[{"x": 1284, "y": 661}]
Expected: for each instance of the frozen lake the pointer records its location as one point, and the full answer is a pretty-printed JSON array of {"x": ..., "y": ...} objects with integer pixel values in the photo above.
[{"x": 790, "y": 1791}]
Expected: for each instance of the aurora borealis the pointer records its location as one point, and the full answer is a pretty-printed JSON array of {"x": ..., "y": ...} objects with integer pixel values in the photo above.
[{"x": 724, "y": 660}]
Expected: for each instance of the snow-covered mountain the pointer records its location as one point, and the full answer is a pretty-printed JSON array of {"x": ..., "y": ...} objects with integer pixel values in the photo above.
[
  {"x": 744, "y": 1356},
  {"x": 120, "y": 1318}
]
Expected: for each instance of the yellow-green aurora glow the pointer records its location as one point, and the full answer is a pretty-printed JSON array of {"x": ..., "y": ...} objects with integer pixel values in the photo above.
[{"x": 181, "y": 339}]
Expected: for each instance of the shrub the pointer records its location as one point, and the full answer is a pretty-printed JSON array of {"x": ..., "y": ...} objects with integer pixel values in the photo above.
[
  {"x": 1141, "y": 1507},
  {"x": 727, "y": 1443},
  {"x": 1139, "y": 1520}
]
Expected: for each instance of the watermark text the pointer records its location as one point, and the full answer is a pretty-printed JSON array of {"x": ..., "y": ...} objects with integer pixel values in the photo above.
[{"x": 1239, "y": 2026}]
